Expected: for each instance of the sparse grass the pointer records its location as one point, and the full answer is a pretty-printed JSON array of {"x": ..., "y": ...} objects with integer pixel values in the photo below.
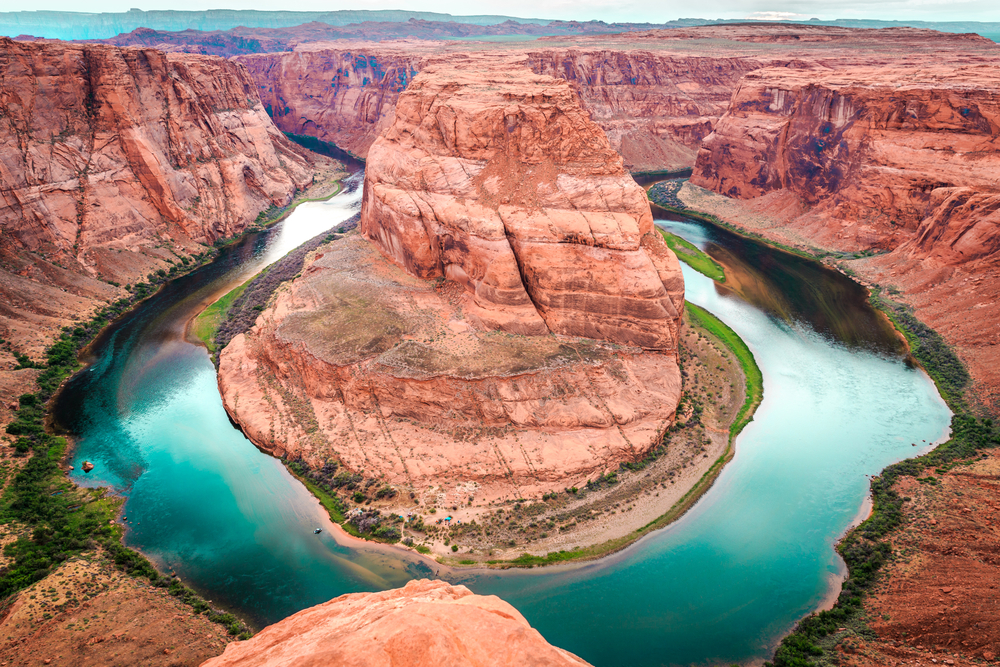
[{"x": 694, "y": 257}]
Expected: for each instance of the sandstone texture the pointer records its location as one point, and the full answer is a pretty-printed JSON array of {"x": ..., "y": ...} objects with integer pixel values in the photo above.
[
  {"x": 117, "y": 162},
  {"x": 88, "y": 613},
  {"x": 898, "y": 160},
  {"x": 424, "y": 623},
  {"x": 495, "y": 178},
  {"x": 360, "y": 362},
  {"x": 937, "y": 603}
]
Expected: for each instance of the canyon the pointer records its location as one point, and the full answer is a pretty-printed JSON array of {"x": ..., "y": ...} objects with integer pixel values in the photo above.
[
  {"x": 505, "y": 323},
  {"x": 421, "y": 351}
]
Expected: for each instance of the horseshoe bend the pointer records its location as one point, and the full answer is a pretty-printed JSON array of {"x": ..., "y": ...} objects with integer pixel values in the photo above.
[{"x": 504, "y": 324}]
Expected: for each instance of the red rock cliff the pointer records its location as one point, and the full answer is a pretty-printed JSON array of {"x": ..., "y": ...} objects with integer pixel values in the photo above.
[
  {"x": 423, "y": 623},
  {"x": 114, "y": 162},
  {"x": 902, "y": 159},
  {"x": 498, "y": 214},
  {"x": 495, "y": 177}
]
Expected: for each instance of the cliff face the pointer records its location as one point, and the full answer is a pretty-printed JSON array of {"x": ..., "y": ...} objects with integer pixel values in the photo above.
[
  {"x": 344, "y": 95},
  {"x": 423, "y": 623},
  {"x": 104, "y": 145},
  {"x": 898, "y": 159},
  {"x": 495, "y": 178},
  {"x": 655, "y": 109},
  {"x": 114, "y": 162}
]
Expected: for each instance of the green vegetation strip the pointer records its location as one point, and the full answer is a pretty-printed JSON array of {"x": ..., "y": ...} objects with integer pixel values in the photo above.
[
  {"x": 694, "y": 257},
  {"x": 754, "y": 394},
  {"x": 206, "y": 324},
  {"x": 62, "y": 519},
  {"x": 867, "y": 548}
]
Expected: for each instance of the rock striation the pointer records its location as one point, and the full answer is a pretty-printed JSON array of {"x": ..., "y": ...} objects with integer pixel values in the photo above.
[
  {"x": 116, "y": 162},
  {"x": 494, "y": 177},
  {"x": 900, "y": 160},
  {"x": 423, "y": 623},
  {"x": 496, "y": 214}
]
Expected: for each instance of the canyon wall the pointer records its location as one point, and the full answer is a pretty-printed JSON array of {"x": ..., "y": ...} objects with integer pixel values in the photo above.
[
  {"x": 901, "y": 160},
  {"x": 117, "y": 162},
  {"x": 423, "y": 623},
  {"x": 654, "y": 108}
]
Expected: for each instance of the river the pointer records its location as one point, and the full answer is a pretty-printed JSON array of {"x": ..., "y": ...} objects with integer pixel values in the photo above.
[{"x": 721, "y": 585}]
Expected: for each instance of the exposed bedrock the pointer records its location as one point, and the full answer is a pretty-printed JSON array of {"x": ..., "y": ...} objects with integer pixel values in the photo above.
[
  {"x": 654, "y": 108},
  {"x": 115, "y": 162},
  {"x": 423, "y": 623},
  {"x": 900, "y": 159},
  {"x": 494, "y": 177}
]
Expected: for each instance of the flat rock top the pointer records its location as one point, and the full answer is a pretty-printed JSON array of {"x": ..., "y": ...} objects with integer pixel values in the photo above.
[
  {"x": 352, "y": 304},
  {"x": 907, "y": 74}
]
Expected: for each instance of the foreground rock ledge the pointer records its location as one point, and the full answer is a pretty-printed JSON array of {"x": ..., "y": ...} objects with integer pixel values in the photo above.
[{"x": 424, "y": 623}]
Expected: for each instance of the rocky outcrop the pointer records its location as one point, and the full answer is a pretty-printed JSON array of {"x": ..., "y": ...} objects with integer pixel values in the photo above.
[
  {"x": 424, "y": 623},
  {"x": 901, "y": 160},
  {"x": 495, "y": 178},
  {"x": 498, "y": 215},
  {"x": 117, "y": 162},
  {"x": 362, "y": 363}
]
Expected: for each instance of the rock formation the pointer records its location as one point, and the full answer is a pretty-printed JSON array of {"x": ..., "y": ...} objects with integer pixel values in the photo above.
[
  {"x": 114, "y": 162},
  {"x": 424, "y": 623},
  {"x": 495, "y": 178},
  {"x": 502, "y": 216},
  {"x": 900, "y": 159}
]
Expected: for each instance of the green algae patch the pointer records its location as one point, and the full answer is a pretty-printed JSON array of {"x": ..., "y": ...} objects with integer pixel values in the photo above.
[{"x": 694, "y": 257}]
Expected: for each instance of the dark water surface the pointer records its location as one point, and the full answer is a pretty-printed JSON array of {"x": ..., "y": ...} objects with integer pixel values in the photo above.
[{"x": 719, "y": 586}]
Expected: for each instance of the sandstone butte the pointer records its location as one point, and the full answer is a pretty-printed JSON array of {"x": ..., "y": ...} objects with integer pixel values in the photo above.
[
  {"x": 114, "y": 162},
  {"x": 496, "y": 214},
  {"x": 656, "y": 94},
  {"x": 901, "y": 160},
  {"x": 424, "y": 623}
]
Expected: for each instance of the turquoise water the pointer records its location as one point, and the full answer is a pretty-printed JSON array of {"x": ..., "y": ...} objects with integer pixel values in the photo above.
[{"x": 719, "y": 586}]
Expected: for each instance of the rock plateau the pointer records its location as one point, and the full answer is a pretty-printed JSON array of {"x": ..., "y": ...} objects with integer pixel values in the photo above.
[
  {"x": 498, "y": 215},
  {"x": 424, "y": 623}
]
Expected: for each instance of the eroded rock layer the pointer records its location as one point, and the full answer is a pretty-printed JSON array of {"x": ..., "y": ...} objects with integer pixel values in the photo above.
[
  {"x": 423, "y": 623},
  {"x": 902, "y": 160},
  {"x": 117, "y": 162},
  {"x": 494, "y": 177},
  {"x": 363, "y": 363}
]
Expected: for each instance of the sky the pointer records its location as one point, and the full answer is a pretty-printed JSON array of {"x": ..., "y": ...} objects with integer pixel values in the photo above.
[{"x": 655, "y": 11}]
